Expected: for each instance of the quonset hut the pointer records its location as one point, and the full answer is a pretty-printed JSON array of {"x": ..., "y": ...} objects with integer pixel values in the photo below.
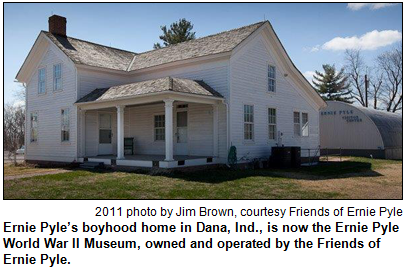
[{"x": 360, "y": 131}]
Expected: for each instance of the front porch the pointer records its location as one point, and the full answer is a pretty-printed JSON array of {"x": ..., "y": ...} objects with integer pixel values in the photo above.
[
  {"x": 153, "y": 161},
  {"x": 167, "y": 130}
]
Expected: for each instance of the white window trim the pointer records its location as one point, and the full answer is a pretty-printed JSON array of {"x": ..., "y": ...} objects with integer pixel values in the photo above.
[
  {"x": 69, "y": 121},
  {"x": 276, "y": 123},
  {"x": 45, "y": 81},
  {"x": 248, "y": 141},
  {"x": 308, "y": 124},
  {"x": 36, "y": 141},
  {"x": 267, "y": 78},
  {"x": 301, "y": 124},
  {"x": 154, "y": 128},
  {"x": 53, "y": 78}
]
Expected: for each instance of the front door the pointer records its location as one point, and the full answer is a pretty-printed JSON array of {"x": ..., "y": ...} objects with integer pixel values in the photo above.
[
  {"x": 105, "y": 134},
  {"x": 181, "y": 134}
]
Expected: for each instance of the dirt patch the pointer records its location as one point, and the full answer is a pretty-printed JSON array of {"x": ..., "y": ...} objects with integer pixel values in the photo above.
[{"x": 386, "y": 185}]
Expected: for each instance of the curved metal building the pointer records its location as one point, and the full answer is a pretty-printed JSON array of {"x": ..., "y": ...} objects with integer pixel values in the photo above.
[{"x": 360, "y": 131}]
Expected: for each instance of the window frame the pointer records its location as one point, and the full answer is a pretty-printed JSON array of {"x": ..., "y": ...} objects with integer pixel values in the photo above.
[
  {"x": 158, "y": 128},
  {"x": 31, "y": 127},
  {"x": 251, "y": 123},
  {"x": 270, "y": 78},
  {"x": 275, "y": 124},
  {"x": 39, "y": 80},
  {"x": 55, "y": 78},
  {"x": 302, "y": 125},
  {"x": 63, "y": 125},
  {"x": 295, "y": 124}
]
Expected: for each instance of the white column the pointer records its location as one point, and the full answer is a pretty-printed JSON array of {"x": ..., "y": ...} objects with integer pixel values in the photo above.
[
  {"x": 168, "y": 129},
  {"x": 215, "y": 130},
  {"x": 120, "y": 132},
  {"x": 82, "y": 115}
]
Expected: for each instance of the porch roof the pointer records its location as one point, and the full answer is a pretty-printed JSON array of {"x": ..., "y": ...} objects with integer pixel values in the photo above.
[{"x": 161, "y": 85}]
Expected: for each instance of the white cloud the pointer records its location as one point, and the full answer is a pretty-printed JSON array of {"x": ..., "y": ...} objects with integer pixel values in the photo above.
[
  {"x": 19, "y": 103},
  {"x": 309, "y": 75},
  {"x": 315, "y": 48},
  {"x": 358, "y": 6},
  {"x": 369, "y": 41}
]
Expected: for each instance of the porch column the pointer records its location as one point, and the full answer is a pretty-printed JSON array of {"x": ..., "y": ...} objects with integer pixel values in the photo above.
[
  {"x": 215, "y": 130},
  {"x": 82, "y": 116},
  {"x": 168, "y": 129},
  {"x": 120, "y": 132}
]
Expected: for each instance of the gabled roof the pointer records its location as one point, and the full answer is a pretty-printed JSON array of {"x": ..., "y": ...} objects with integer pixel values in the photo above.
[
  {"x": 92, "y": 54},
  {"x": 96, "y": 55},
  {"x": 150, "y": 87}
]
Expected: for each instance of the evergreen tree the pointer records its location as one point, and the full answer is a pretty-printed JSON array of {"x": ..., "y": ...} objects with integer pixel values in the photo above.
[
  {"x": 178, "y": 32},
  {"x": 332, "y": 85}
]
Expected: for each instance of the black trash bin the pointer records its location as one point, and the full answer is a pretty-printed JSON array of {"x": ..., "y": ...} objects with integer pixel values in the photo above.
[
  {"x": 281, "y": 157},
  {"x": 296, "y": 157}
]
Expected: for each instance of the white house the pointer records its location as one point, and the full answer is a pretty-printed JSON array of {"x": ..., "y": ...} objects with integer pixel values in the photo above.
[{"x": 181, "y": 105}]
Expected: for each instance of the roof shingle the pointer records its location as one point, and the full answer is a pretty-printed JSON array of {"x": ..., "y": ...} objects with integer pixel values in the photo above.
[
  {"x": 149, "y": 87},
  {"x": 92, "y": 54}
]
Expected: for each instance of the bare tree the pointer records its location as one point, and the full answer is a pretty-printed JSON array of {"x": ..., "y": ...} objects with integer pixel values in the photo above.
[
  {"x": 391, "y": 65},
  {"x": 356, "y": 70},
  {"x": 19, "y": 93},
  {"x": 376, "y": 86},
  {"x": 13, "y": 129}
]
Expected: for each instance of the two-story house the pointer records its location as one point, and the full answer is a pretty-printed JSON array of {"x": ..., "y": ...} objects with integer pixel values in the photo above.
[{"x": 182, "y": 105}]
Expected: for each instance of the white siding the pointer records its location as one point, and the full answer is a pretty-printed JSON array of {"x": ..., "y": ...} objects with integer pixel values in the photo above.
[
  {"x": 49, "y": 146},
  {"x": 249, "y": 86},
  {"x": 91, "y": 80}
]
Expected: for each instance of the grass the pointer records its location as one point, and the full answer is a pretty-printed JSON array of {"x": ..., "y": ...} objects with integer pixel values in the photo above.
[
  {"x": 359, "y": 178},
  {"x": 19, "y": 169}
]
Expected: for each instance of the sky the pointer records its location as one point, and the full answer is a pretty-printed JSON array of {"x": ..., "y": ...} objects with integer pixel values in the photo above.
[{"x": 313, "y": 34}]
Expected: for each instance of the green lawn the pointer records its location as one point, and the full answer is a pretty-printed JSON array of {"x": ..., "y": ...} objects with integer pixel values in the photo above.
[{"x": 354, "y": 178}]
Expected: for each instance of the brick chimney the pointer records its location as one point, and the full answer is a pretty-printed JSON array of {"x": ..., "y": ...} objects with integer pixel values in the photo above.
[{"x": 57, "y": 25}]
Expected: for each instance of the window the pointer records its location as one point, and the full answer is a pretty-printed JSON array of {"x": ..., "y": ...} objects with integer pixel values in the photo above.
[
  {"x": 159, "y": 127},
  {"x": 57, "y": 77},
  {"x": 271, "y": 79},
  {"x": 34, "y": 127},
  {"x": 296, "y": 123},
  {"x": 305, "y": 124},
  {"x": 105, "y": 133},
  {"x": 65, "y": 125},
  {"x": 248, "y": 122},
  {"x": 272, "y": 123},
  {"x": 41, "y": 81}
]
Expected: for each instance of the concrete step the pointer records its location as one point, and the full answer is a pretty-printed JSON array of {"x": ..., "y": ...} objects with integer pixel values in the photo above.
[{"x": 92, "y": 165}]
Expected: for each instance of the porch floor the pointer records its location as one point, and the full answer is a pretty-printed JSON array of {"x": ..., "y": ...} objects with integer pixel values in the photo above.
[{"x": 150, "y": 157}]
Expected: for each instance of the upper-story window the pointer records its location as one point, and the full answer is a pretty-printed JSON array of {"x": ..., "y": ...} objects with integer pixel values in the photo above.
[
  {"x": 271, "y": 79},
  {"x": 57, "y": 77},
  {"x": 34, "y": 127},
  {"x": 159, "y": 127},
  {"x": 248, "y": 122},
  {"x": 65, "y": 125},
  {"x": 41, "y": 81},
  {"x": 272, "y": 123}
]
